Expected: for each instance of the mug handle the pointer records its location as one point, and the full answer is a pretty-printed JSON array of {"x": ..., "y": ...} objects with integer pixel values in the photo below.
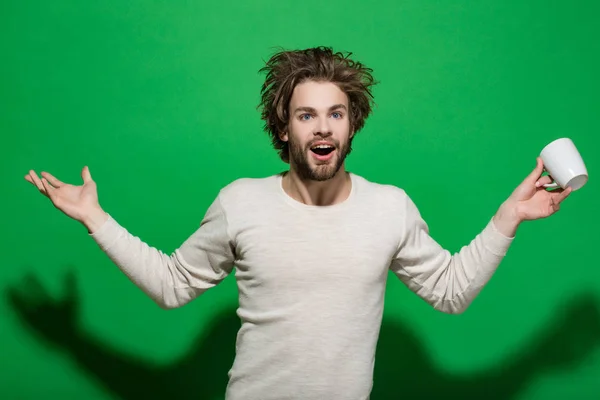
[{"x": 552, "y": 185}]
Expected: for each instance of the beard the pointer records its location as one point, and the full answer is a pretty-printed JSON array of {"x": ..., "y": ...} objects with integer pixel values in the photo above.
[{"x": 321, "y": 172}]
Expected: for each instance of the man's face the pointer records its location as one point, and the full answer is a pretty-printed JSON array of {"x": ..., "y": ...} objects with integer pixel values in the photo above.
[{"x": 318, "y": 131}]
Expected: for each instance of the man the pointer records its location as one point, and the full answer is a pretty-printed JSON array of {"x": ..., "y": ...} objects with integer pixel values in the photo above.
[{"x": 311, "y": 247}]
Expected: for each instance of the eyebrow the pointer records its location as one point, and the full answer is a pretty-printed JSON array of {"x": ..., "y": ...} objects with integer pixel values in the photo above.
[{"x": 312, "y": 110}]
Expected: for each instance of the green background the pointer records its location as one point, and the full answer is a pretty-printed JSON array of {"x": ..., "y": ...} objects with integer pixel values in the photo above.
[{"x": 159, "y": 99}]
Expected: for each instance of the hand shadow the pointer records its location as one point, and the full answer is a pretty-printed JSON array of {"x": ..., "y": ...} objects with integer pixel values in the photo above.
[
  {"x": 202, "y": 374},
  {"x": 403, "y": 368}
]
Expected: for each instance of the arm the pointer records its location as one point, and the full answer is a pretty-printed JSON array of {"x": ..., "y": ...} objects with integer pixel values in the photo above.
[
  {"x": 202, "y": 261},
  {"x": 448, "y": 282},
  {"x": 451, "y": 282}
]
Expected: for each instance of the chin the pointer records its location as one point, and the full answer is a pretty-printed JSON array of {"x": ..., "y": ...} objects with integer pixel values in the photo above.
[{"x": 323, "y": 172}]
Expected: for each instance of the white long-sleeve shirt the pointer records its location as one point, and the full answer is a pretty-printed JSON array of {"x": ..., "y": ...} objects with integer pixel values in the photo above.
[{"x": 311, "y": 280}]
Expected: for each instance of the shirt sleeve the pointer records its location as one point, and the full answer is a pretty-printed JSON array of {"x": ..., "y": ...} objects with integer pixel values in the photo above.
[
  {"x": 200, "y": 263},
  {"x": 448, "y": 282}
]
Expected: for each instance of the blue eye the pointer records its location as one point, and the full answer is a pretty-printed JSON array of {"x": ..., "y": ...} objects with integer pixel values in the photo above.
[
  {"x": 337, "y": 115},
  {"x": 303, "y": 117}
]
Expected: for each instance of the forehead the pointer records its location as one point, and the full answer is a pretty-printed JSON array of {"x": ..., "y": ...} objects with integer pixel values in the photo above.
[{"x": 318, "y": 95}]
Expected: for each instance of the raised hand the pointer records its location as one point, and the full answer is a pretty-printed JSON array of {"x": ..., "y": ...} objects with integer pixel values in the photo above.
[
  {"x": 529, "y": 201},
  {"x": 78, "y": 202},
  {"x": 532, "y": 199}
]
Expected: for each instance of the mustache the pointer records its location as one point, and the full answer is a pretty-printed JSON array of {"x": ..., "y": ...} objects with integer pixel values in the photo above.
[{"x": 333, "y": 143}]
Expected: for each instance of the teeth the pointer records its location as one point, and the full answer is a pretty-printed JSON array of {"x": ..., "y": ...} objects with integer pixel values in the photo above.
[{"x": 322, "y": 146}]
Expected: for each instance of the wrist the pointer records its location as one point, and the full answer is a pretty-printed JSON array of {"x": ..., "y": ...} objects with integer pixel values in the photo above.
[
  {"x": 94, "y": 219},
  {"x": 507, "y": 219}
]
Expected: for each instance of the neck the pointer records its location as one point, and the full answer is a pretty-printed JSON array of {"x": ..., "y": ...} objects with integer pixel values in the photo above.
[{"x": 316, "y": 193}]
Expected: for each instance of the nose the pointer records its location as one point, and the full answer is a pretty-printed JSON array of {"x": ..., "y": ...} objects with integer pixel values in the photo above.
[{"x": 323, "y": 128}]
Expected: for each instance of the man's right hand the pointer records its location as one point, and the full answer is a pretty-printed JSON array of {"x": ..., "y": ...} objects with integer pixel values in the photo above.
[{"x": 78, "y": 202}]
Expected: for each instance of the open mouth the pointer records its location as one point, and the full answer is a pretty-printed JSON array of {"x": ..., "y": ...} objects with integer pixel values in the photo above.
[{"x": 322, "y": 150}]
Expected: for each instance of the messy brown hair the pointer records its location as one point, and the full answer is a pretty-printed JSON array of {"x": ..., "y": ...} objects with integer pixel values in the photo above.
[{"x": 286, "y": 69}]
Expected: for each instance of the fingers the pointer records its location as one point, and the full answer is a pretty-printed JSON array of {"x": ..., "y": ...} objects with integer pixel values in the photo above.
[
  {"x": 544, "y": 180},
  {"x": 537, "y": 172},
  {"x": 49, "y": 188},
  {"x": 33, "y": 178},
  {"x": 563, "y": 195},
  {"x": 557, "y": 197},
  {"x": 44, "y": 185},
  {"x": 53, "y": 181},
  {"x": 86, "y": 175}
]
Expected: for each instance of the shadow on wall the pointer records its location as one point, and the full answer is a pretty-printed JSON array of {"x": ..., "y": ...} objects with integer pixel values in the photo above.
[{"x": 403, "y": 367}]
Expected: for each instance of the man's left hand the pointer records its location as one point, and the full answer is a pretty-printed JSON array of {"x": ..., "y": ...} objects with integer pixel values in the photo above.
[{"x": 530, "y": 201}]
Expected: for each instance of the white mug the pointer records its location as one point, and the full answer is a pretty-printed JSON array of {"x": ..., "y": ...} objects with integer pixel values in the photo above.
[{"x": 564, "y": 164}]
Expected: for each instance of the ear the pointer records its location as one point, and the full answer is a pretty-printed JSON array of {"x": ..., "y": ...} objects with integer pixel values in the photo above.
[
  {"x": 283, "y": 136},
  {"x": 352, "y": 134}
]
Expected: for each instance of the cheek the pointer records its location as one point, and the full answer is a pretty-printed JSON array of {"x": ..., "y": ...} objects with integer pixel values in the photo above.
[
  {"x": 299, "y": 131},
  {"x": 343, "y": 128}
]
